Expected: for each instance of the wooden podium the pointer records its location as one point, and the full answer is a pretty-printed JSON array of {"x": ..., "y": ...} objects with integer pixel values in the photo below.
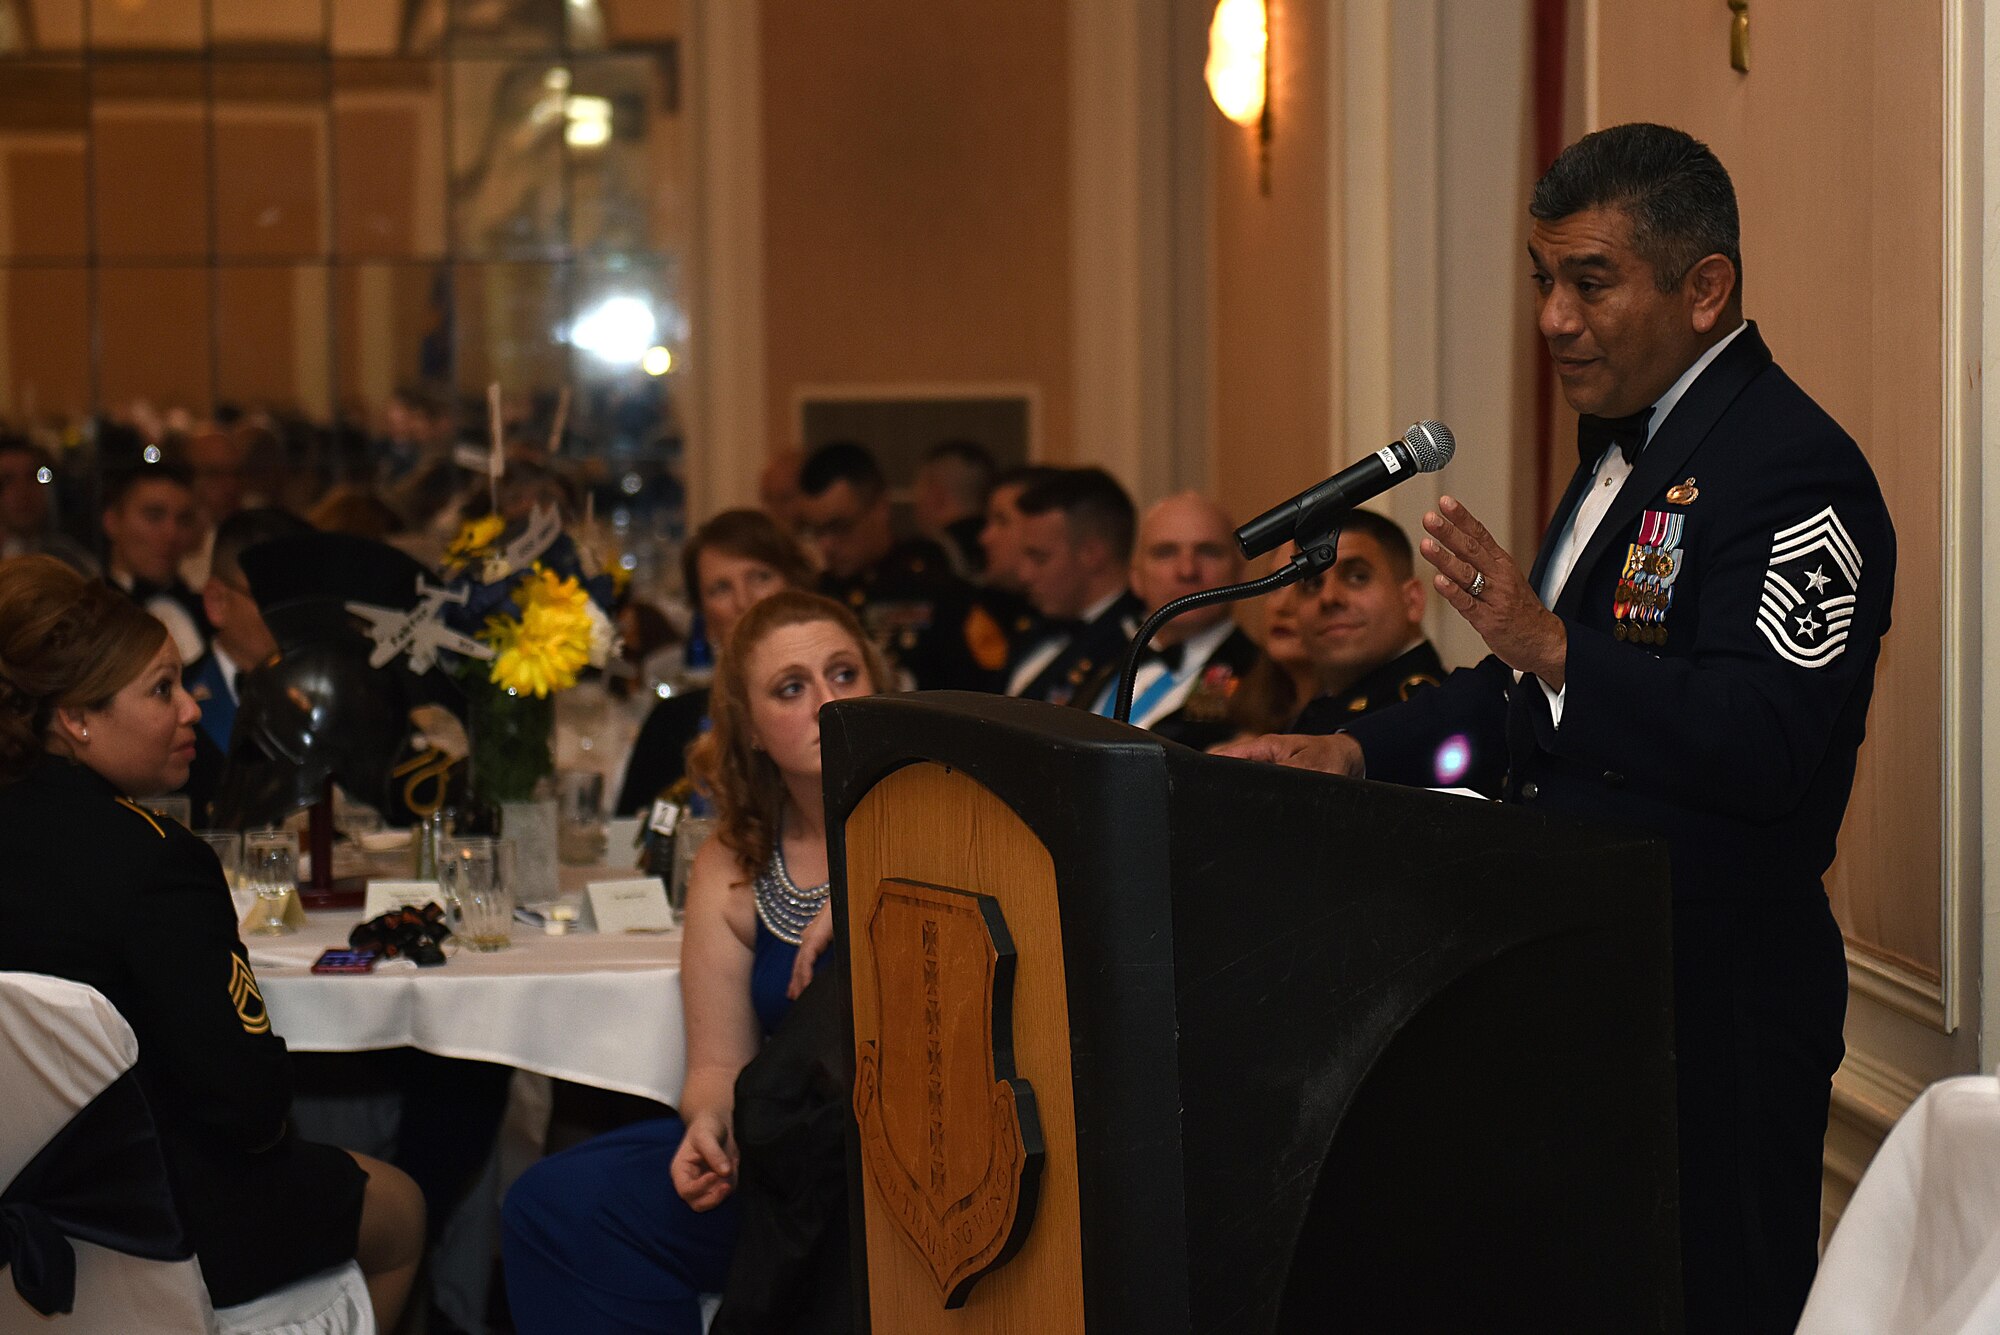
[{"x": 1148, "y": 1040}]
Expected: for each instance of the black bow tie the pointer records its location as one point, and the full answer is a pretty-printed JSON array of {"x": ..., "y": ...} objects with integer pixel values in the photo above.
[
  {"x": 1593, "y": 434},
  {"x": 1172, "y": 655}
]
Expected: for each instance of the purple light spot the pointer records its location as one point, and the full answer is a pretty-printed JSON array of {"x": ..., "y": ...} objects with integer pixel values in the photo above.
[{"x": 1454, "y": 758}]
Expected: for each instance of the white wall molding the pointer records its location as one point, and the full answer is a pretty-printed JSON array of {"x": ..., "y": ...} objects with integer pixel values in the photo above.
[{"x": 727, "y": 417}]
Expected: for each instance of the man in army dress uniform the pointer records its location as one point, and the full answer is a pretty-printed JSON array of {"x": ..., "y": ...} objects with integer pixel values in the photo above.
[
  {"x": 1691, "y": 657},
  {"x": 1076, "y": 546},
  {"x": 930, "y": 621},
  {"x": 1362, "y": 625}
]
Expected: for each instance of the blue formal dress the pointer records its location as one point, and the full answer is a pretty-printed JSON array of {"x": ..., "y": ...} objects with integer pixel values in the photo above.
[{"x": 596, "y": 1238}]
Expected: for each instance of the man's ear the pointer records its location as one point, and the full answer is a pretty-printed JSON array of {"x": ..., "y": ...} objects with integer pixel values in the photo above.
[
  {"x": 1710, "y": 285},
  {"x": 1416, "y": 592}
]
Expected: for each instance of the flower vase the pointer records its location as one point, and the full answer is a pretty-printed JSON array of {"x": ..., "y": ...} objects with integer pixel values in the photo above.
[{"x": 513, "y": 760}]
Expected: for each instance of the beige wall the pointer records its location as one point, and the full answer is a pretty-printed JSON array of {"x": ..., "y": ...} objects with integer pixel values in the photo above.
[
  {"x": 916, "y": 201},
  {"x": 1273, "y": 392},
  {"x": 1835, "y": 141}
]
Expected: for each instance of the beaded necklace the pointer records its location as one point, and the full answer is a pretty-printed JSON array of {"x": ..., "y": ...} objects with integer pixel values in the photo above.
[{"x": 783, "y": 907}]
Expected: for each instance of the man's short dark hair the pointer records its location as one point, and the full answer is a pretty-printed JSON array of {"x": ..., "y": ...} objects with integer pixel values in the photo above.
[
  {"x": 118, "y": 484},
  {"x": 1025, "y": 476},
  {"x": 1388, "y": 535},
  {"x": 12, "y": 443},
  {"x": 1093, "y": 503},
  {"x": 846, "y": 461},
  {"x": 1675, "y": 191},
  {"x": 246, "y": 529}
]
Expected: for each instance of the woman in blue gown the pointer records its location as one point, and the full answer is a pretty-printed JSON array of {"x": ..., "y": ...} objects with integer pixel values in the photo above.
[{"x": 626, "y": 1231}]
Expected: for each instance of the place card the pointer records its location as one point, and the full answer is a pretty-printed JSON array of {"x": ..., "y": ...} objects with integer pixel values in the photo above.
[
  {"x": 387, "y": 896},
  {"x": 627, "y": 906}
]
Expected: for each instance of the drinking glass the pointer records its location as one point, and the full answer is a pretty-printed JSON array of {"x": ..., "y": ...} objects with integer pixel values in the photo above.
[
  {"x": 477, "y": 877},
  {"x": 689, "y": 836},
  {"x": 179, "y": 808},
  {"x": 271, "y": 866},
  {"x": 580, "y": 823},
  {"x": 228, "y": 848}
]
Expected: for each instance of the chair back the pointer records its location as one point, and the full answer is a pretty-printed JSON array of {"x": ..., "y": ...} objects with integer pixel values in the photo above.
[{"x": 61, "y": 1045}]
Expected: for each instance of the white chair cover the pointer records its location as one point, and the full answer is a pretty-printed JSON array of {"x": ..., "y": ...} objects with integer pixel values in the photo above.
[
  {"x": 61, "y": 1045},
  {"x": 1918, "y": 1250}
]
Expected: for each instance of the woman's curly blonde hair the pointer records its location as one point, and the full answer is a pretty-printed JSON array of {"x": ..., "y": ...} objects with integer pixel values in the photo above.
[{"x": 743, "y": 782}]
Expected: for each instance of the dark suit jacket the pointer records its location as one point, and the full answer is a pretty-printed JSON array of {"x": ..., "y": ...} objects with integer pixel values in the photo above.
[
  {"x": 1088, "y": 651},
  {"x": 209, "y": 686}
]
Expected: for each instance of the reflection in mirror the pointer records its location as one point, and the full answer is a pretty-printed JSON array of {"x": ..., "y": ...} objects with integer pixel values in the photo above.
[
  {"x": 497, "y": 27},
  {"x": 392, "y": 332},
  {"x": 45, "y": 346},
  {"x": 173, "y": 25},
  {"x": 267, "y": 23},
  {"x": 41, "y": 27},
  {"x": 508, "y": 321},
  {"x": 271, "y": 353},
  {"x": 387, "y": 27},
  {"x": 628, "y": 333},
  {"x": 270, "y": 146},
  {"x": 629, "y": 155},
  {"x": 388, "y": 158},
  {"x": 507, "y": 188},
  {"x": 44, "y": 149},
  {"x": 155, "y": 339},
  {"x": 149, "y": 160}
]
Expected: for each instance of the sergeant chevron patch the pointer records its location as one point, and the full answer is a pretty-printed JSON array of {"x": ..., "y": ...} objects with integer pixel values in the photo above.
[{"x": 1809, "y": 591}]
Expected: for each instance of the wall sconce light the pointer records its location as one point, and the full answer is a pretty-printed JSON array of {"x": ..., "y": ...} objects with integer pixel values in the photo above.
[{"x": 1239, "y": 71}]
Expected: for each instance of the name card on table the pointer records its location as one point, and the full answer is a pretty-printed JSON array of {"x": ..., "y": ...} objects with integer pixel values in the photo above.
[
  {"x": 387, "y": 896},
  {"x": 627, "y": 906}
]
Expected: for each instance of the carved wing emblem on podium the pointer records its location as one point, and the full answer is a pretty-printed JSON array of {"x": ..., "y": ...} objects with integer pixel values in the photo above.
[{"x": 949, "y": 1136}]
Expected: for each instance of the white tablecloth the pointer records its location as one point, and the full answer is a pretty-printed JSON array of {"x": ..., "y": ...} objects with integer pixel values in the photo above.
[{"x": 598, "y": 1010}]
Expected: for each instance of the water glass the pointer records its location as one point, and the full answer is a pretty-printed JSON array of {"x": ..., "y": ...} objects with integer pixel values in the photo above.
[
  {"x": 228, "y": 848},
  {"x": 477, "y": 875},
  {"x": 176, "y": 808},
  {"x": 271, "y": 868},
  {"x": 580, "y": 817},
  {"x": 689, "y": 836}
]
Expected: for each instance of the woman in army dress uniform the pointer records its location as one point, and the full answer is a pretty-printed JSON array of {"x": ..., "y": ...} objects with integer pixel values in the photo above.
[{"x": 97, "y": 889}]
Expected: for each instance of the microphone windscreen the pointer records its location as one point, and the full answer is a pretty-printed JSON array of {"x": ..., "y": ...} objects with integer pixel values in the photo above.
[{"x": 1430, "y": 445}]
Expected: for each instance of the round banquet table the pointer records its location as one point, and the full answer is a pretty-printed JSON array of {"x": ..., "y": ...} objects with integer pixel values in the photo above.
[{"x": 598, "y": 1010}]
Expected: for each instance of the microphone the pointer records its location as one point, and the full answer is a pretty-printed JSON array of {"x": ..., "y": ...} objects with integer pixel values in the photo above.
[{"x": 1424, "y": 448}]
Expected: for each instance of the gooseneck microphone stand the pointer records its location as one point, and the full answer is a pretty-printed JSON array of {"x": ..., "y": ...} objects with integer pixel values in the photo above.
[{"x": 1314, "y": 556}]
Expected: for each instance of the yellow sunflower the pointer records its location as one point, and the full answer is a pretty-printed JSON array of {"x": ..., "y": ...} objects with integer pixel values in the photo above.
[
  {"x": 475, "y": 539},
  {"x": 544, "y": 650}
]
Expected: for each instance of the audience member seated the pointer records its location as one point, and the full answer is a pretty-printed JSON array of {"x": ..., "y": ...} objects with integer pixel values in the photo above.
[
  {"x": 357, "y": 511},
  {"x": 731, "y": 562},
  {"x": 148, "y": 526},
  {"x": 214, "y": 458},
  {"x": 95, "y": 888},
  {"x": 1197, "y": 662},
  {"x": 778, "y": 487},
  {"x": 241, "y": 641},
  {"x": 905, "y": 593},
  {"x": 1000, "y": 540},
  {"x": 592, "y": 1238},
  {"x": 949, "y": 498},
  {"x": 1362, "y": 623},
  {"x": 1283, "y": 680},
  {"x": 27, "y": 500},
  {"x": 1076, "y": 551}
]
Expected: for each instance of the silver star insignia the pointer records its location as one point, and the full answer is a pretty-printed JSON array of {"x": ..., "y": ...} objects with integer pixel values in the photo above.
[
  {"x": 1807, "y": 626},
  {"x": 1817, "y": 580}
]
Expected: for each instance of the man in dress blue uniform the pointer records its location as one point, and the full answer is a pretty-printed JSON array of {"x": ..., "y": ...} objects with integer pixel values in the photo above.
[
  {"x": 1691, "y": 656},
  {"x": 241, "y": 641},
  {"x": 1075, "y": 550}
]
